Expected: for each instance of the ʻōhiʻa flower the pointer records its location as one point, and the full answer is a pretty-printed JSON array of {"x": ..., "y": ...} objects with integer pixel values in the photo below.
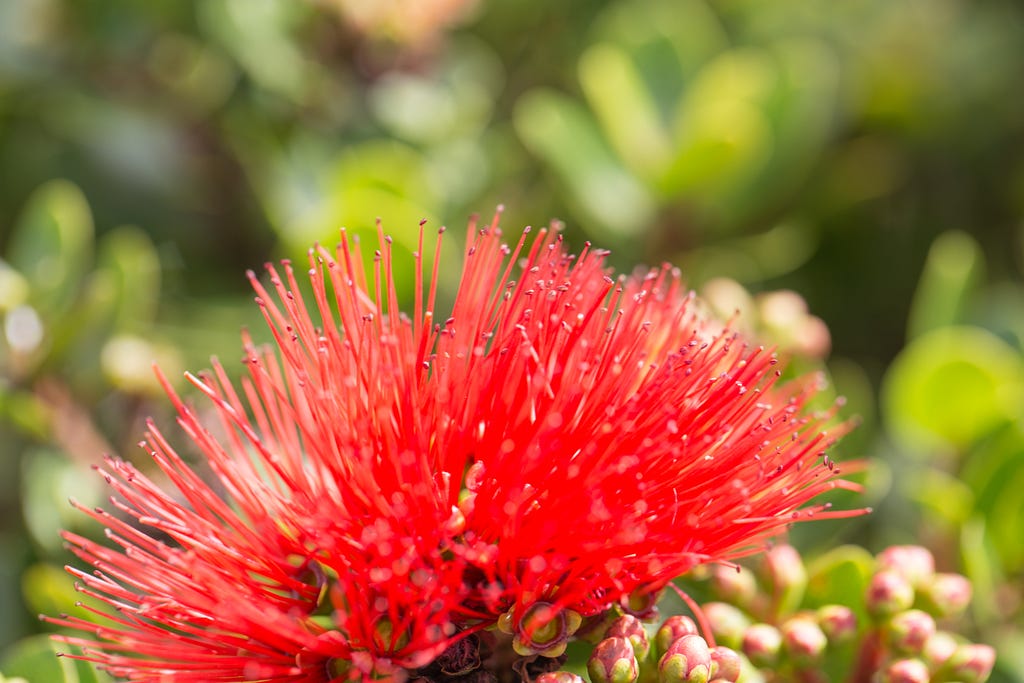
[{"x": 385, "y": 487}]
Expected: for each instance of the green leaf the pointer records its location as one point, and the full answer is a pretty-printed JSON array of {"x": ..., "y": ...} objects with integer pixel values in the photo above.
[
  {"x": 954, "y": 266},
  {"x": 48, "y": 589},
  {"x": 35, "y": 659},
  {"x": 952, "y": 386},
  {"x": 841, "y": 577},
  {"x": 625, "y": 110},
  {"x": 558, "y": 130},
  {"x": 994, "y": 470},
  {"x": 981, "y": 567},
  {"x": 48, "y": 481},
  {"x": 129, "y": 264},
  {"x": 52, "y": 245},
  {"x": 720, "y": 130}
]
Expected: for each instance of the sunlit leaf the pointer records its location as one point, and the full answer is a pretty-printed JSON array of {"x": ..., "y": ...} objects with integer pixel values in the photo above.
[
  {"x": 951, "y": 273},
  {"x": 128, "y": 259},
  {"x": 720, "y": 129},
  {"x": 840, "y": 576},
  {"x": 35, "y": 659},
  {"x": 625, "y": 110},
  {"x": 52, "y": 245},
  {"x": 952, "y": 386},
  {"x": 562, "y": 133}
]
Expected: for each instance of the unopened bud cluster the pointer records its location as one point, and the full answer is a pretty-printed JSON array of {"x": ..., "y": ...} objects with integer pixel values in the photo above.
[
  {"x": 676, "y": 654},
  {"x": 890, "y": 634},
  {"x": 763, "y": 626}
]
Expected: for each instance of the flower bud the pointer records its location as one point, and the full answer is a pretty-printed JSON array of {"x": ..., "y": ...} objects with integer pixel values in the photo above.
[
  {"x": 688, "y": 660},
  {"x": 726, "y": 665},
  {"x": 786, "y": 575},
  {"x": 906, "y": 671},
  {"x": 968, "y": 664},
  {"x": 642, "y": 605},
  {"x": 947, "y": 594},
  {"x": 913, "y": 562},
  {"x": 541, "y": 630},
  {"x": 803, "y": 640},
  {"x": 674, "y": 628},
  {"x": 838, "y": 623},
  {"x": 728, "y": 623},
  {"x": 909, "y": 631},
  {"x": 629, "y": 627},
  {"x": 939, "y": 648},
  {"x": 888, "y": 593},
  {"x": 558, "y": 677},
  {"x": 761, "y": 644},
  {"x": 733, "y": 585},
  {"x": 613, "y": 661}
]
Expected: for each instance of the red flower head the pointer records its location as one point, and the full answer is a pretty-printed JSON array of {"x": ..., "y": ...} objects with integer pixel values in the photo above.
[{"x": 386, "y": 488}]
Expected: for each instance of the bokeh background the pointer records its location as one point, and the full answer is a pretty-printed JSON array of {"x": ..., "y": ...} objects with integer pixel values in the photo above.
[{"x": 850, "y": 164}]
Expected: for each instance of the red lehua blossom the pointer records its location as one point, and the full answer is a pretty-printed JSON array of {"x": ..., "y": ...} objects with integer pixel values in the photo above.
[{"x": 385, "y": 486}]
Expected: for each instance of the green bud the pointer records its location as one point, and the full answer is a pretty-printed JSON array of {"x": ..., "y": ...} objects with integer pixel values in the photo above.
[
  {"x": 688, "y": 660},
  {"x": 642, "y": 605},
  {"x": 674, "y": 628},
  {"x": 913, "y": 562},
  {"x": 838, "y": 623},
  {"x": 629, "y": 627},
  {"x": 803, "y": 640},
  {"x": 906, "y": 671},
  {"x": 541, "y": 630},
  {"x": 909, "y": 631},
  {"x": 728, "y": 623},
  {"x": 613, "y": 661},
  {"x": 761, "y": 644},
  {"x": 888, "y": 593}
]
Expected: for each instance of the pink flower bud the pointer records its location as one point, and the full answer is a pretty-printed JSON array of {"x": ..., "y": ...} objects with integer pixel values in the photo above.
[
  {"x": 726, "y": 665},
  {"x": 629, "y": 627},
  {"x": 784, "y": 569},
  {"x": 838, "y": 623},
  {"x": 803, "y": 640},
  {"x": 733, "y": 585},
  {"x": 913, "y": 562},
  {"x": 947, "y": 594},
  {"x": 558, "y": 677},
  {"x": 906, "y": 671},
  {"x": 888, "y": 593},
  {"x": 613, "y": 661},
  {"x": 969, "y": 664},
  {"x": 761, "y": 644},
  {"x": 674, "y": 628},
  {"x": 688, "y": 660},
  {"x": 939, "y": 648},
  {"x": 909, "y": 631}
]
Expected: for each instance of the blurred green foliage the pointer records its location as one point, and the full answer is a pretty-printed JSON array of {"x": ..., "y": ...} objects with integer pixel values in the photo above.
[{"x": 867, "y": 154}]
